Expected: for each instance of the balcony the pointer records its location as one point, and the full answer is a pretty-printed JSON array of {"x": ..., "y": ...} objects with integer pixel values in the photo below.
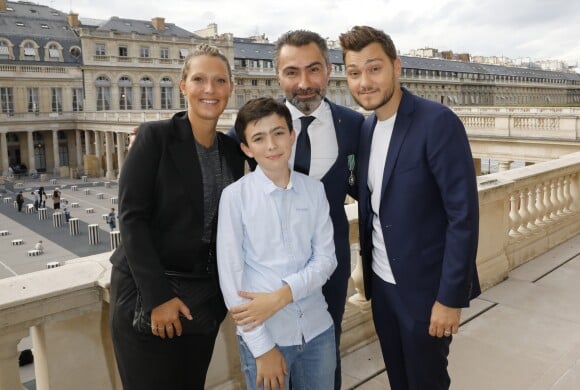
[{"x": 524, "y": 214}]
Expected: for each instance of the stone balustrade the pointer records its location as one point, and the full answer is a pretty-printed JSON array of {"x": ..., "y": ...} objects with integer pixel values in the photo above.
[
  {"x": 523, "y": 213},
  {"x": 561, "y": 123}
]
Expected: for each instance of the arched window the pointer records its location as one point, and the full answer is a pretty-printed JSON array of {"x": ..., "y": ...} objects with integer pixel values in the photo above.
[
  {"x": 5, "y": 50},
  {"x": 103, "y": 91},
  {"x": 125, "y": 93},
  {"x": 166, "y": 85},
  {"x": 146, "y": 93},
  {"x": 29, "y": 52},
  {"x": 53, "y": 52}
]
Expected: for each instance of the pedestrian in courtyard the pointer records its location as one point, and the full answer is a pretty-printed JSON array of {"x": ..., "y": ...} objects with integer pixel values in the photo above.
[
  {"x": 56, "y": 199},
  {"x": 418, "y": 256},
  {"x": 42, "y": 197},
  {"x": 111, "y": 219},
  {"x": 169, "y": 191},
  {"x": 19, "y": 201},
  {"x": 66, "y": 209},
  {"x": 36, "y": 195},
  {"x": 39, "y": 247}
]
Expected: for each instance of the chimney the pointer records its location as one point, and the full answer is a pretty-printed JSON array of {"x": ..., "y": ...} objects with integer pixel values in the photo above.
[
  {"x": 2, "y": 5},
  {"x": 73, "y": 19},
  {"x": 158, "y": 23}
]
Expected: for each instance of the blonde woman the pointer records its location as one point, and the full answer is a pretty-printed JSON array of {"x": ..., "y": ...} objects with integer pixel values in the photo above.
[{"x": 169, "y": 191}]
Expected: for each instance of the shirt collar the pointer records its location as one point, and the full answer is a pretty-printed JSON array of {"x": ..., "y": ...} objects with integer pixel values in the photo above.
[
  {"x": 318, "y": 113},
  {"x": 268, "y": 185}
]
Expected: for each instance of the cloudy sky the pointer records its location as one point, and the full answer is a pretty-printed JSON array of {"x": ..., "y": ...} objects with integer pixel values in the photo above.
[{"x": 536, "y": 29}]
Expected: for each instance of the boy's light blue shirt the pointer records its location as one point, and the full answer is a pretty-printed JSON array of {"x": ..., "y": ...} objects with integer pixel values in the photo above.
[{"x": 267, "y": 237}]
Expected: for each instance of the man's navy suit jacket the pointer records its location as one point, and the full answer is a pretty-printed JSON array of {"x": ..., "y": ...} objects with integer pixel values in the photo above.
[{"x": 429, "y": 210}]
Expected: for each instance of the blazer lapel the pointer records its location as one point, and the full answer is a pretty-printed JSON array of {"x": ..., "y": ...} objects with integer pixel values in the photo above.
[
  {"x": 184, "y": 153},
  {"x": 402, "y": 124},
  {"x": 364, "y": 153}
]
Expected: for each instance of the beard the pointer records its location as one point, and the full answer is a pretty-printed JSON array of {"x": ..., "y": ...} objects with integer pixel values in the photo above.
[
  {"x": 385, "y": 99},
  {"x": 309, "y": 105}
]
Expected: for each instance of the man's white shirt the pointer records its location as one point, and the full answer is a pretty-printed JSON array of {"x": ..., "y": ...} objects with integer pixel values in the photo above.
[
  {"x": 324, "y": 146},
  {"x": 377, "y": 159}
]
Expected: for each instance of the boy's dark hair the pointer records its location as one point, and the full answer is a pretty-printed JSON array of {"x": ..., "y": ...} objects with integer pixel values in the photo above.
[
  {"x": 300, "y": 38},
  {"x": 359, "y": 37},
  {"x": 256, "y": 109}
]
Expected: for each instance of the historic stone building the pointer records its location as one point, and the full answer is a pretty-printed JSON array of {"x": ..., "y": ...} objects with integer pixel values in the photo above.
[
  {"x": 72, "y": 88},
  {"x": 453, "y": 83}
]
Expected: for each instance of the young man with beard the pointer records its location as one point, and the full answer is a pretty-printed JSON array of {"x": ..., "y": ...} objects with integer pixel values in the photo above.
[
  {"x": 418, "y": 214},
  {"x": 326, "y": 145}
]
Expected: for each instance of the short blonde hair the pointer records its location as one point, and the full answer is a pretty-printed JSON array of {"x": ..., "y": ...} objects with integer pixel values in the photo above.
[{"x": 204, "y": 50}]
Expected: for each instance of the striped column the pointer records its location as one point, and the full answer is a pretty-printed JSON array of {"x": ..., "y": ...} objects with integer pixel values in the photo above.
[
  {"x": 52, "y": 181},
  {"x": 114, "y": 200},
  {"x": 85, "y": 178},
  {"x": 93, "y": 234},
  {"x": 73, "y": 226},
  {"x": 87, "y": 191},
  {"x": 41, "y": 214},
  {"x": 115, "y": 239},
  {"x": 100, "y": 195},
  {"x": 52, "y": 264},
  {"x": 8, "y": 199},
  {"x": 56, "y": 219},
  {"x": 74, "y": 188},
  {"x": 29, "y": 208},
  {"x": 74, "y": 205},
  {"x": 4, "y": 232},
  {"x": 17, "y": 242}
]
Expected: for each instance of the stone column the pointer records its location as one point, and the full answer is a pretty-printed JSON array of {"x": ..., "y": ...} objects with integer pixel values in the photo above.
[
  {"x": 477, "y": 164},
  {"x": 98, "y": 153},
  {"x": 55, "y": 152},
  {"x": 4, "y": 153},
  {"x": 120, "y": 151},
  {"x": 87, "y": 142},
  {"x": 110, "y": 172},
  {"x": 9, "y": 372},
  {"x": 31, "y": 162},
  {"x": 503, "y": 166},
  {"x": 79, "y": 149}
]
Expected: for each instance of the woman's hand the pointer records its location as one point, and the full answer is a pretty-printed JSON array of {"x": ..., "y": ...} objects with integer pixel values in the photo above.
[{"x": 165, "y": 318}]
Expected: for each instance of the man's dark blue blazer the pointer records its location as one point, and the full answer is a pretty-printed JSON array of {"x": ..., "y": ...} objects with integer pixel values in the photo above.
[
  {"x": 429, "y": 209},
  {"x": 347, "y": 124}
]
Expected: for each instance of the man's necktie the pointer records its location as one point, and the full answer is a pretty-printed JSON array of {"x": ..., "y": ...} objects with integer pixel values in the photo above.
[{"x": 302, "y": 156}]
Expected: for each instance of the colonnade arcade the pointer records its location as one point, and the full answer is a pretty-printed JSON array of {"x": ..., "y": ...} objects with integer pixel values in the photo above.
[{"x": 63, "y": 152}]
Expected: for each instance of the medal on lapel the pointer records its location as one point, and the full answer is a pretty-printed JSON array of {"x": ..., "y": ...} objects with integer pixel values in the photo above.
[{"x": 351, "y": 163}]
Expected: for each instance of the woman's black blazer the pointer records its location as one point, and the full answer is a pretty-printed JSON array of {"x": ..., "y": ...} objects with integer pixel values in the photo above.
[{"x": 161, "y": 208}]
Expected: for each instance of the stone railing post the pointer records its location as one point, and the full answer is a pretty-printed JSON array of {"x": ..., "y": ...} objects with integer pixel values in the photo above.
[
  {"x": 494, "y": 229},
  {"x": 9, "y": 371}
]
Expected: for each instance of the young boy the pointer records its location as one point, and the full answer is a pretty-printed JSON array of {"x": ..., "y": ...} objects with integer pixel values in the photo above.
[{"x": 275, "y": 251}]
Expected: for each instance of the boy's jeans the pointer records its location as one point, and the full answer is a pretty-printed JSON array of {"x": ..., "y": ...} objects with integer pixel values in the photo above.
[{"x": 311, "y": 364}]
